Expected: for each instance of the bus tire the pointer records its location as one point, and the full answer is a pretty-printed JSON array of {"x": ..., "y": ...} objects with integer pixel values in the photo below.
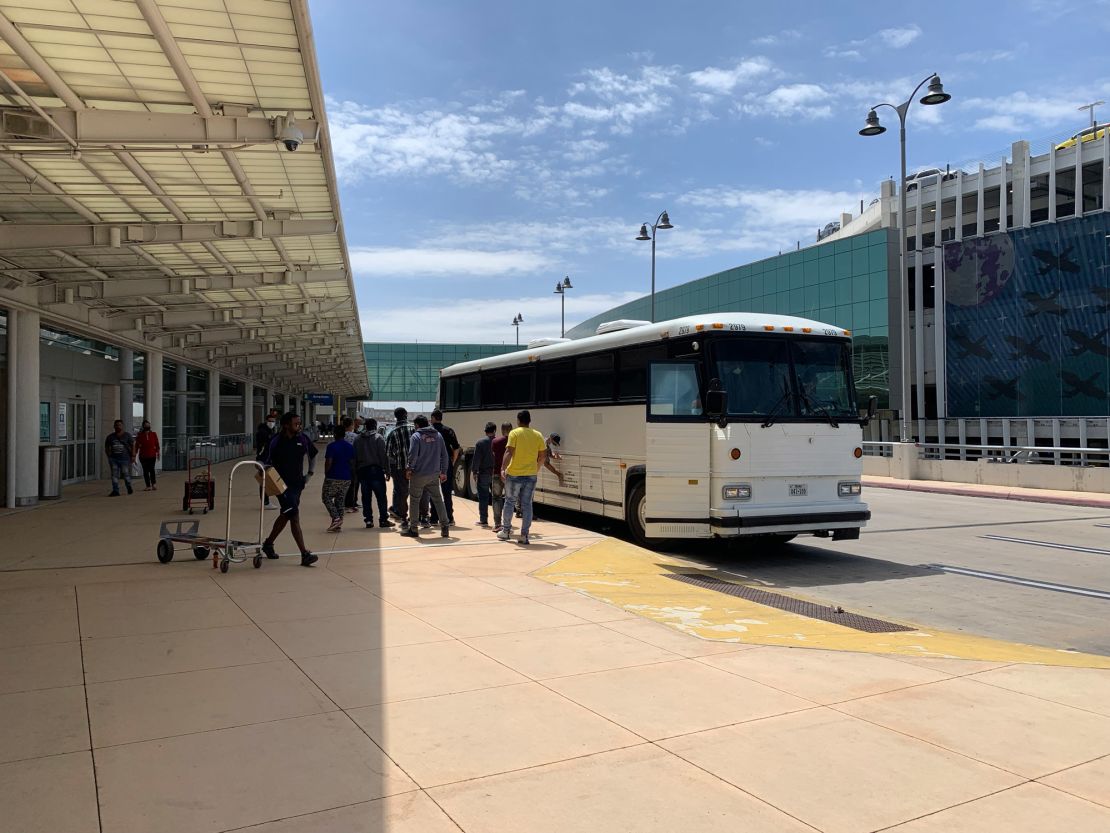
[
  {"x": 635, "y": 510},
  {"x": 471, "y": 485},
  {"x": 459, "y": 476}
]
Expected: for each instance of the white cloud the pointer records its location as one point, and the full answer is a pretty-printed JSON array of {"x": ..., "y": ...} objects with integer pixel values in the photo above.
[
  {"x": 722, "y": 80},
  {"x": 454, "y": 262},
  {"x": 618, "y": 99},
  {"x": 900, "y": 38},
  {"x": 989, "y": 57},
  {"x": 769, "y": 219},
  {"x": 485, "y": 320},
  {"x": 1022, "y": 111},
  {"x": 894, "y": 38},
  {"x": 391, "y": 141},
  {"x": 810, "y": 100},
  {"x": 785, "y": 36}
]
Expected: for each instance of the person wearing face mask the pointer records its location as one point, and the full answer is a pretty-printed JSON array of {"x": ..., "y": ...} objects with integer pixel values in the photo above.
[
  {"x": 148, "y": 450},
  {"x": 262, "y": 437}
]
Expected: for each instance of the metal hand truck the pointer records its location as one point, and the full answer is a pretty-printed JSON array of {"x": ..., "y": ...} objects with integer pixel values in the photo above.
[{"x": 224, "y": 550}]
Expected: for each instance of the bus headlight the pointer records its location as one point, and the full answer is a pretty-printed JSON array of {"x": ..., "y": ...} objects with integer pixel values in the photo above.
[
  {"x": 738, "y": 492},
  {"x": 848, "y": 488}
]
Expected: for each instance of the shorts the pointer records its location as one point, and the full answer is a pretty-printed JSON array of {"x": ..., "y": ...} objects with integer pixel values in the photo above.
[{"x": 290, "y": 502}]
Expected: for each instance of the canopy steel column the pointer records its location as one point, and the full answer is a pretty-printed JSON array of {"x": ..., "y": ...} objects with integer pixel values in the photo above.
[
  {"x": 248, "y": 408},
  {"x": 152, "y": 394},
  {"x": 26, "y": 413},
  {"x": 181, "y": 412},
  {"x": 127, "y": 388},
  {"x": 214, "y": 403}
]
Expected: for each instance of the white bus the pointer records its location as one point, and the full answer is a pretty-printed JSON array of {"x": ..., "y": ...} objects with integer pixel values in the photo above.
[{"x": 717, "y": 425}]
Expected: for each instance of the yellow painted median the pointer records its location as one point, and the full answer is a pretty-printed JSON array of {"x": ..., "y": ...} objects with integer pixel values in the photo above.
[{"x": 636, "y": 580}]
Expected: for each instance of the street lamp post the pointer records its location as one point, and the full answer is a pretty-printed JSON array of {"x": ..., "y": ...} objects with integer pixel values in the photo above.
[
  {"x": 517, "y": 321},
  {"x": 661, "y": 222},
  {"x": 935, "y": 95},
  {"x": 561, "y": 288}
]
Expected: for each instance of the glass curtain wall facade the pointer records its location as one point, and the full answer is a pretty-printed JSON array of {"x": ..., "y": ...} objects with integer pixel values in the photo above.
[
  {"x": 841, "y": 282},
  {"x": 410, "y": 372}
]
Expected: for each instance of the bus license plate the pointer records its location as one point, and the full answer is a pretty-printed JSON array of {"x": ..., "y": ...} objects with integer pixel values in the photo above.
[{"x": 797, "y": 490}]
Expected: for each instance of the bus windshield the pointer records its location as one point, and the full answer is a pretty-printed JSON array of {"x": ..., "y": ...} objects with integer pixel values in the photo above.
[{"x": 789, "y": 378}]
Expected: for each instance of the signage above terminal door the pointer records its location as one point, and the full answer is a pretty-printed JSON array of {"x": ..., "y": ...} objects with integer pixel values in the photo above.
[{"x": 319, "y": 398}]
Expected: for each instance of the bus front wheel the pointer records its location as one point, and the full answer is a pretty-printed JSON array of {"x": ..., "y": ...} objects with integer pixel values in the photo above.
[
  {"x": 459, "y": 477},
  {"x": 635, "y": 513}
]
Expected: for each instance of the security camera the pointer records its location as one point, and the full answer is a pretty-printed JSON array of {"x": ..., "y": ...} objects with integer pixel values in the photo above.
[{"x": 288, "y": 133}]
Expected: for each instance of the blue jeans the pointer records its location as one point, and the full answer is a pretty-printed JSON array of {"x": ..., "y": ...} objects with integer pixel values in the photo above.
[
  {"x": 372, "y": 481},
  {"x": 518, "y": 492},
  {"x": 121, "y": 468},
  {"x": 484, "y": 497}
]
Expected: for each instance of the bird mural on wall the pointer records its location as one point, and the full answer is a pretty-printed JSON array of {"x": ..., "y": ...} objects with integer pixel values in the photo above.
[
  {"x": 1052, "y": 261},
  {"x": 1027, "y": 349},
  {"x": 1044, "y": 304},
  {"x": 1096, "y": 344},
  {"x": 1078, "y": 386}
]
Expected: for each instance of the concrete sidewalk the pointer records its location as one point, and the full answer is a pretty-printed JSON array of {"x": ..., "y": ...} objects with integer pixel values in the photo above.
[
  {"x": 1093, "y": 500},
  {"x": 427, "y": 687}
]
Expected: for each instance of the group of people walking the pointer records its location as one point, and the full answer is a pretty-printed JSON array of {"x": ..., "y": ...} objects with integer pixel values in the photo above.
[{"x": 123, "y": 450}]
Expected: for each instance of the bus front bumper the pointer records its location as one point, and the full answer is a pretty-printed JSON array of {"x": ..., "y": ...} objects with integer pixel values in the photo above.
[{"x": 731, "y": 522}]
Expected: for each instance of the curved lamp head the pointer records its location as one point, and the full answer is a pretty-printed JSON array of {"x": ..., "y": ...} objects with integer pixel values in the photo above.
[
  {"x": 936, "y": 94},
  {"x": 519, "y": 319},
  {"x": 643, "y": 233},
  {"x": 558, "y": 287},
  {"x": 664, "y": 221},
  {"x": 566, "y": 283},
  {"x": 872, "y": 126}
]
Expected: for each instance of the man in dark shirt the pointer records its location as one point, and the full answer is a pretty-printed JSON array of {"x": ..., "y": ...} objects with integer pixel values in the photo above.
[
  {"x": 397, "y": 449},
  {"x": 263, "y": 434},
  {"x": 497, "y": 486},
  {"x": 453, "y": 452},
  {"x": 481, "y": 471},
  {"x": 120, "y": 448},
  {"x": 373, "y": 471},
  {"x": 287, "y": 453}
]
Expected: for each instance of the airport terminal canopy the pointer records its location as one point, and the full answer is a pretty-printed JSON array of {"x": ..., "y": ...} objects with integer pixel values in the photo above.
[{"x": 166, "y": 183}]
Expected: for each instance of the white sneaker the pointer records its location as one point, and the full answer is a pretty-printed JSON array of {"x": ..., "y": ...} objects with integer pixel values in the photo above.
[
  {"x": 503, "y": 535},
  {"x": 271, "y": 506}
]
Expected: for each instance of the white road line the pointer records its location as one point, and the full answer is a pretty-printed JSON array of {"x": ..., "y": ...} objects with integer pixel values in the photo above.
[
  {"x": 1024, "y": 582},
  {"x": 1050, "y": 545}
]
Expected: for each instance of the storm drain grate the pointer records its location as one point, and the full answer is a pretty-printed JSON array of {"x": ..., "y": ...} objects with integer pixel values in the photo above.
[{"x": 790, "y": 605}]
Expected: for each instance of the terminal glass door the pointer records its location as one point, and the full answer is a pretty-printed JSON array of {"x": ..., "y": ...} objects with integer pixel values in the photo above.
[{"x": 76, "y": 433}]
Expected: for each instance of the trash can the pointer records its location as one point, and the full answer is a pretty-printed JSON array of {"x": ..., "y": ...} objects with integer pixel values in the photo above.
[{"x": 50, "y": 471}]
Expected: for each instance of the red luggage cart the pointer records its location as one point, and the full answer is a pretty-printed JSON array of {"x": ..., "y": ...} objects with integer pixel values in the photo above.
[{"x": 200, "y": 488}]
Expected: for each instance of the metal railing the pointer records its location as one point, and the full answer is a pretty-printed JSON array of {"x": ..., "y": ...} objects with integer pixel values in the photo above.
[
  {"x": 1058, "y": 455},
  {"x": 176, "y": 450}
]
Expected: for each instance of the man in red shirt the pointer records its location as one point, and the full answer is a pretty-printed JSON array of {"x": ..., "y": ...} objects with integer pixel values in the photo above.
[{"x": 497, "y": 487}]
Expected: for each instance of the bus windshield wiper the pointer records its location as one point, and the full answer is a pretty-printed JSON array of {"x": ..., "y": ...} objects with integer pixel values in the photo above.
[
  {"x": 771, "y": 414},
  {"x": 819, "y": 409}
]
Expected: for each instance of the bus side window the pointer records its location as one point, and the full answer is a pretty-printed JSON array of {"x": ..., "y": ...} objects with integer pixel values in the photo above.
[
  {"x": 451, "y": 393},
  {"x": 593, "y": 378},
  {"x": 495, "y": 388},
  {"x": 469, "y": 391},
  {"x": 632, "y": 371},
  {"x": 521, "y": 387},
  {"x": 556, "y": 381}
]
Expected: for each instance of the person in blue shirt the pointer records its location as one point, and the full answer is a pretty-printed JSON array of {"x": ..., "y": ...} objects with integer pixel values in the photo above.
[{"x": 338, "y": 464}]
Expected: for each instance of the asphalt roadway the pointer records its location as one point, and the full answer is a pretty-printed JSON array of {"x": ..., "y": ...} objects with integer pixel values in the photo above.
[{"x": 1022, "y": 572}]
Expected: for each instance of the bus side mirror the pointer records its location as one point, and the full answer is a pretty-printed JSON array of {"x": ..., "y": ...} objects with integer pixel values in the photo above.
[
  {"x": 716, "y": 404},
  {"x": 872, "y": 407}
]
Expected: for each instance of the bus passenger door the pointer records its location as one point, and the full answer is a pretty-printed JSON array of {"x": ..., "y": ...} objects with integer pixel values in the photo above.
[{"x": 677, "y": 453}]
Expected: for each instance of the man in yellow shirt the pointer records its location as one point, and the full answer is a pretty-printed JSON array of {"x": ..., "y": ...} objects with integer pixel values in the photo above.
[{"x": 525, "y": 452}]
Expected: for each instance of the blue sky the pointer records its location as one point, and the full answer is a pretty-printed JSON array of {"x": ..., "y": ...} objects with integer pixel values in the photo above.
[{"x": 486, "y": 149}]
